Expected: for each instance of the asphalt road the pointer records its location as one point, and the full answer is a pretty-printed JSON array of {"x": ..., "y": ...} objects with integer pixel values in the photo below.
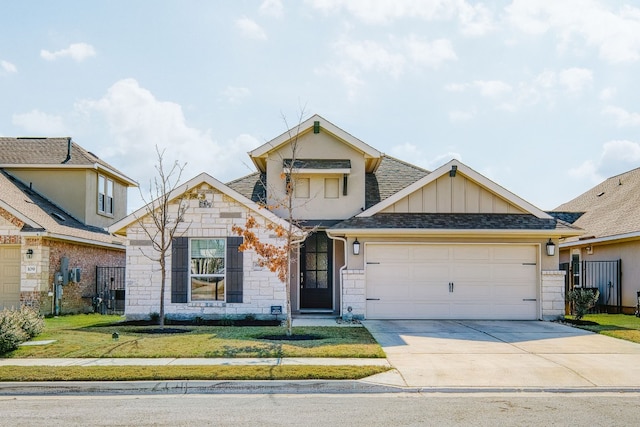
[{"x": 278, "y": 410}]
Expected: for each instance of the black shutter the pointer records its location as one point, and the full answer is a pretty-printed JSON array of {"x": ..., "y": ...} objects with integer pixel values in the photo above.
[
  {"x": 234, "y": 269},
  {"x": 179, "y": 269}
]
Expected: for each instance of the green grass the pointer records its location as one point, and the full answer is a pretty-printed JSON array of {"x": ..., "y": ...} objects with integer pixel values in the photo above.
[
  {"x": 91, "y": 336},
  {"x": 623, "y": 326},
  {"x": 149, "y": 373}
]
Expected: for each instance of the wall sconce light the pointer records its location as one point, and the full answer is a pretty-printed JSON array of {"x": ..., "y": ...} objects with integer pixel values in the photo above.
[
  {"x": 356, "y": 247},
  {"x": 29, "y": 253},
  {"x": 551, "y": 248}
]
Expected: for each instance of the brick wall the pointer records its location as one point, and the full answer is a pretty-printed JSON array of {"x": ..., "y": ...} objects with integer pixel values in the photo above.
[{"x": 76, "y": 297}]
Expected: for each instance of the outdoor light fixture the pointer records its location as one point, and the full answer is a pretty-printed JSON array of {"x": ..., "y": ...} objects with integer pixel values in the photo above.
[
  {"x": 551, "y": 248},
  {"x": 356, "y": 247},
  {"x": 29, "y": 253}
]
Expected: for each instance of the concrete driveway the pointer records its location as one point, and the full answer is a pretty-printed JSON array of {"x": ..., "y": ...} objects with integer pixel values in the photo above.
[{"x": 503, "y": 354}]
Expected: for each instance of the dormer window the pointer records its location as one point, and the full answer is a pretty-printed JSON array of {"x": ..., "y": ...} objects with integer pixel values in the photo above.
[{"x": 105, "y": 195}]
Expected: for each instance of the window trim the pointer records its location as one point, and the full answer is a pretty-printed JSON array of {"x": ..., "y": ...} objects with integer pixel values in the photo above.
[
  {"x": 104, "y": 200},
  {"x": 190, "y": 275}
]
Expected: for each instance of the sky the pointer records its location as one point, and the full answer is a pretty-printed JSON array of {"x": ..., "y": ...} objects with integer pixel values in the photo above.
[{"x": 540, "y": 96}]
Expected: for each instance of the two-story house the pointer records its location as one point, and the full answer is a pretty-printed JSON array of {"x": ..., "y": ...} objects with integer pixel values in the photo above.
[
  {"x": 380, "y": 238},
  {"x": 56, "y": 199}
]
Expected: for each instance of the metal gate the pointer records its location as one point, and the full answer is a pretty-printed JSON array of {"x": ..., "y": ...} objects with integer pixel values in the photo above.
[
  {"x": 604, "y": 275},
  {"x": 110, "y": 290}
]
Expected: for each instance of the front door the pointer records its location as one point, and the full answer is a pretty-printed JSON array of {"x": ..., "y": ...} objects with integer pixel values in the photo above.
[{"x": 316, "y": 278}]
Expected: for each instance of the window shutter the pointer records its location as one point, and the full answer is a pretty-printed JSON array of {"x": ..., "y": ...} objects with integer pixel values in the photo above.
[
  {"x": 179, "y": 269},
  {"x": 234, "y": 269}
]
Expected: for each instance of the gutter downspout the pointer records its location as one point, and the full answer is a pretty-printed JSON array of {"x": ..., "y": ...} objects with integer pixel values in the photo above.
[{"x": 346, "y": 258}]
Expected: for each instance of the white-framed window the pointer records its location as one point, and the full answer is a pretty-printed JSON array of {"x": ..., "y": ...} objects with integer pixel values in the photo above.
[
  {"x": 105, "y": 195},
  {"x": 207, "y": 269}
]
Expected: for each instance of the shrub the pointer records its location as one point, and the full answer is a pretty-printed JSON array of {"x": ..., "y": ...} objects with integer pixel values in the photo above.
[
  {"x": 154, "y": 317},
  {"x": 17, "y": 326},
  {"x": 583, "y": 299}
]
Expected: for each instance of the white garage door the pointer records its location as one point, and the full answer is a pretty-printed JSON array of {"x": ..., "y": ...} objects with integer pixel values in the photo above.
[
  {"x": 461, "y": 281},
  {"x": 9, "y": 277}
]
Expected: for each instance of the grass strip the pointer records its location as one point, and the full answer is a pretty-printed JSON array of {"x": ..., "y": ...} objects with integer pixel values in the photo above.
[
  {"x": 622, "y": 326},
  {"x": 149, "y": 373}
]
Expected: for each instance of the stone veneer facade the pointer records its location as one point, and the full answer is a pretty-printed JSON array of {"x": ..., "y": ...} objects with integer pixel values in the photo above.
[{"x": 211, "y": 214}]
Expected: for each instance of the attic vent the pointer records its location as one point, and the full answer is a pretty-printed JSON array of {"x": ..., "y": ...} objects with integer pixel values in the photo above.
[
  {"x": 316, "y": 127},
  {"x": 600, "y": 194},
  {"x": 58, "y": 216}
]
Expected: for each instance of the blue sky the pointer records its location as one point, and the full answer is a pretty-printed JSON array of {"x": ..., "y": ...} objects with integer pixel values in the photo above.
[{"x": 540, "y": 96}]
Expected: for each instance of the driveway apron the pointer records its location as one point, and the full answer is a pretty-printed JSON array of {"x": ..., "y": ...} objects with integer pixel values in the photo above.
[{"x": 505, "y": 354}]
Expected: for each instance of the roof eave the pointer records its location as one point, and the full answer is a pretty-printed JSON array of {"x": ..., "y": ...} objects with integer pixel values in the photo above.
[{"x": 407, "y": 232}]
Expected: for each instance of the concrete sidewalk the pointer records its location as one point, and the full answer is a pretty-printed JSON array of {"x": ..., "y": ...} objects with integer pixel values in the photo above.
[{"x": 285, "y": 361}]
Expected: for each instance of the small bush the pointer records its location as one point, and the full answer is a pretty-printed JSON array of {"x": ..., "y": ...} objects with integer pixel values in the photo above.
[
  {"x": 583, "y": 300},
  {"x": 154, "y": 317},
  {"x": 17, "y": 326}
]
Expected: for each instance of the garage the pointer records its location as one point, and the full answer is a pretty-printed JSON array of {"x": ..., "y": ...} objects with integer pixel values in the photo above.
[
  {"x": 9, "y": 276},
  {"x": 451, "y": 281}
]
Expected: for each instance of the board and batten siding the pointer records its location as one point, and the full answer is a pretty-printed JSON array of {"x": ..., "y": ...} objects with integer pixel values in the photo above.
[{"x": 453, "y": 195}]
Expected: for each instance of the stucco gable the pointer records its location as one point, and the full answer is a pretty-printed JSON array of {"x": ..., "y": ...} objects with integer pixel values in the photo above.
[
  {"x": 371, "y": 156},
  {"x": 196, "y": 188},
  {"x": 455, "y": 188}
]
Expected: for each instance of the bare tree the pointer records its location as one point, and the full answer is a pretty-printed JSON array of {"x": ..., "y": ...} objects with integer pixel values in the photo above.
[
  {"x": 279, "y": 258},
  {"x": 164, "y": 223}
]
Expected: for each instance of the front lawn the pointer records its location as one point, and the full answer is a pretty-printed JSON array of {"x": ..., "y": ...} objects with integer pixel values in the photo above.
[
  {"x": 623, "y": 326},
  {"x": 91, "y": 336}
]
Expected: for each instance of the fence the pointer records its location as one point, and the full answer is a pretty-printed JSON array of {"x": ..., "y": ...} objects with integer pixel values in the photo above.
[
  {"x": 110, "y": 290},
  {"x": 603, "y": 275}
]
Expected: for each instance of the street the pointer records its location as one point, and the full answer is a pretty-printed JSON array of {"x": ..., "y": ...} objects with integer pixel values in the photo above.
[{"x": 401, "y": 409}]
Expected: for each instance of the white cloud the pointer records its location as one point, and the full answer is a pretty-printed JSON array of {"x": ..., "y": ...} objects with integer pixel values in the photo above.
[
  {"x": 137, "y": 122},
  {"x": 473, "y": 19},
  {"x": 614, "y": 33},
  {"x": 607, "y": 94},
  {"x": 546, "y": 86},
  {"x": 76, "y": 51},
  {"x": 575, "y": 79},
  {"x": 430, "y": 54},
  {"x": 622, "y": 117},
  {"x": 616, "y": 157},
  {"x": 272, "y": 8},
  {"x": 40, "y": 124},
  {"x": 414, "y": 154},
  {"x": 461, "y": 116},
  {"x": 8, "y": 67},
  {"x": 393, "y": 57},
  {"x": 250, "y": 29},
  {"x": 236, "y": 95}
]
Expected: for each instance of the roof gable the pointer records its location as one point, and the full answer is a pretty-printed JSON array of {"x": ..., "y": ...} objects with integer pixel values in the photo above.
[
  {"x": 29, "y": 211},
  {"x": 371, "y": 155},
  {"x": 454, "y": 188},
  {"x": 611, "y": 208},
  {"x": 204, "y": 178},
  {"x": 53, "y": 153}
]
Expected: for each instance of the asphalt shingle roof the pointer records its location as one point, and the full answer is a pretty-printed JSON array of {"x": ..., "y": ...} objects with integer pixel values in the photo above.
[
  {"x": 391, "y": 176},
  {"x": 445, "y": 221},
  {"x": 47, "y": 151},
  {"x": 610, "y": 208},
  {"x": 45, "y": 215},
  {"x": 318, "y": 164}
]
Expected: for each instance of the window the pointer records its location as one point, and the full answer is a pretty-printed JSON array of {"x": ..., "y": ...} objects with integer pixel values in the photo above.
[
  {"x": 301, "y": 190},
  {"x": 331, "y": 188},
  {"x": 207, "y": 272},
  {"x": 105, "y": 195}
]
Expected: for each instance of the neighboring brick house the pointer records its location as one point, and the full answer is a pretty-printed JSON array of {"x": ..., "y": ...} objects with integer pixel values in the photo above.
[
  {"x": 384, "y": 239},
  {"x": 55, "y": 200}
]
